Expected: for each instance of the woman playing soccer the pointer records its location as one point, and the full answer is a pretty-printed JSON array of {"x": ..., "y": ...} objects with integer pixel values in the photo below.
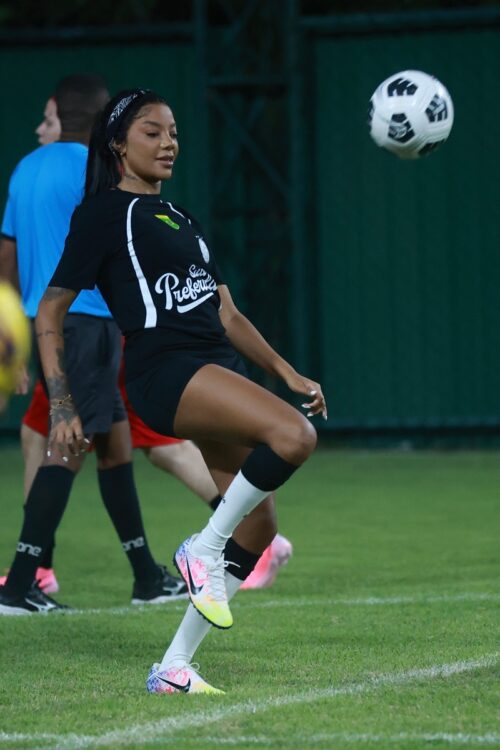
[{"x": 184, "y": 375}]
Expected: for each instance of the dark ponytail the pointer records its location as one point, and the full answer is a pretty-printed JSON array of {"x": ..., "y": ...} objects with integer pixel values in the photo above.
[{"x": 104, "y": 166}]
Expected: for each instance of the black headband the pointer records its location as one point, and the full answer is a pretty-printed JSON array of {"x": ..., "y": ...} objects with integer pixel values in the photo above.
[{"x": 119, "y": 112}]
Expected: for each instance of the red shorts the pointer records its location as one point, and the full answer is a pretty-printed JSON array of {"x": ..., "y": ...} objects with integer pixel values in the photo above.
[
  {"x": 37, "y": 419},
  {"x": 37, "y": 414}
]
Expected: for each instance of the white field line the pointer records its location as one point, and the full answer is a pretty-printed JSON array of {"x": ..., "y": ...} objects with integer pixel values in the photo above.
[
  {"x": 370, "y": 601},
  {"x": 164, "y": 730},
  {"x": 469, "y": 740},
  {"x": 303, "y": 740}
]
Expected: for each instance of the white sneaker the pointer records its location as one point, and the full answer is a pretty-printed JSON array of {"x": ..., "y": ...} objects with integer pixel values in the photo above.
[
  {"x": 206, "y": 584},
  {"x": 272, "y": 559},
  {"x": 178, "y": 680}
]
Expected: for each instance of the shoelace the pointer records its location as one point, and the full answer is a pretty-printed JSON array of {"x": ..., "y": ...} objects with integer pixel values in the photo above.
[{"x": 217, "y": 580}]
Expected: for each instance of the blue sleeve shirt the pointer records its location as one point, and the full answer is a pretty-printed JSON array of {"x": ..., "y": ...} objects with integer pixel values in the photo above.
[{"x": 44, "y": 190}]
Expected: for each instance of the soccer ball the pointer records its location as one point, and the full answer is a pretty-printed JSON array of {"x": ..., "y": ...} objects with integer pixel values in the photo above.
[
  {"x": 15, "y": 339},
  {"x": 410, "y": 114}
]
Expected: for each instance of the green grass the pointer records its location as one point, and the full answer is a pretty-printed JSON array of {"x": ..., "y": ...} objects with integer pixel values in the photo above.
[{"x": 418, "y": 531}]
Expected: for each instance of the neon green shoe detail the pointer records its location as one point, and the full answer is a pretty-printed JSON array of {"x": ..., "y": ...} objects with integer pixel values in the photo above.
[
  {"x": 204, "y": 577},
  {"x": 183, "y": 679}
]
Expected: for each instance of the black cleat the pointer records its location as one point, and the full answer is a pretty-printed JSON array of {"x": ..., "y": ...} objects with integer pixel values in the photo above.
[
  {"x": 27, "y": 604},
  {"x": 166, "y": 588}
]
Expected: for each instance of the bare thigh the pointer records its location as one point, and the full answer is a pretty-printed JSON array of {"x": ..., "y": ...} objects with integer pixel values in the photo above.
[
  {"x": 258, "y": 529},
  {"x": 220, "y": 405}
]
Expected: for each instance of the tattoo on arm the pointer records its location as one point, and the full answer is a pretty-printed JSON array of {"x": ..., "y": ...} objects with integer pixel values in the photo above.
[
  {"x": 62, "y": 407},
  {"x": 49, "y": 332},
  {"x": 53, "y": 292},
  {"x": 49, "y": 325},
  {"x": 57, "y": 383}
]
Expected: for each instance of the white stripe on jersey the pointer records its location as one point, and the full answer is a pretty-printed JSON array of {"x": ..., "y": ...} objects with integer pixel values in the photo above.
[
  {"x": 151, "y": 314},
  {"x": 176, "y": 211}
]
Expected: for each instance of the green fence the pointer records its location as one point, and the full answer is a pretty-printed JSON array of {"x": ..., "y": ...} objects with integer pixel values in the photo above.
[
  {"x": 406, "y": 255},
  {"x": 29, "y": 72},
  {"x": 394, "y": 294}
]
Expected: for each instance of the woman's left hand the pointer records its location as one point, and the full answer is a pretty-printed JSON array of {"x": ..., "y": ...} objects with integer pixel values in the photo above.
[{"x": 300, "y": 384}]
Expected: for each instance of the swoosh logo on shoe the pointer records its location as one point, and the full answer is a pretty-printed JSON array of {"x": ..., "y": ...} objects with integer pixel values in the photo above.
[
  {"x": 40, "y": 607},
  {"x": 194, "y": 589},
  {"x": 183, "y": 688}
]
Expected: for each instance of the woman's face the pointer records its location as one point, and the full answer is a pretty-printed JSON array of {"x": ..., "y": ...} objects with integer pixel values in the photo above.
[
  {"x": 151, "y": 146},
  {"x": 49, "y": 129}
]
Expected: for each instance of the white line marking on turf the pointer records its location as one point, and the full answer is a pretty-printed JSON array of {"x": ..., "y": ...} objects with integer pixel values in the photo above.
[
  {"x": 373, "y": 601},
  {"x": 158, "y": 731},
  {"x": 370, "y": 601},
  {"x": 43, "y": 737},
  {"x": 300, "y": 740},
  {"x": 366, "y": 737}
]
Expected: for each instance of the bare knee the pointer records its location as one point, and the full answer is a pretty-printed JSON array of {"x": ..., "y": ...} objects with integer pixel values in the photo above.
[
  {"x": 33, "y": 444},
  {"x": 111, "y": 459},
  {"x": 294, "y": 441},
  {"x": 166, "y": 457},
  {"x": 114, "y": 448},
  {"x": 72, "y": 463}
]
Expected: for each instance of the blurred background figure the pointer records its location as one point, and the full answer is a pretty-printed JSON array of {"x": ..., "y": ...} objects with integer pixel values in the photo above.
[
  {"x": 49, "y": 129},
  {"x": 15, "y": 339},
  {"x": 44, "y": 189}
]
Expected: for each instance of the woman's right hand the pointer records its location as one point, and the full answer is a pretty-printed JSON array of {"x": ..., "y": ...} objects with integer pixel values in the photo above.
[
  {"x": 66, "y": 432},
  {"x": 311, "y": 389}
]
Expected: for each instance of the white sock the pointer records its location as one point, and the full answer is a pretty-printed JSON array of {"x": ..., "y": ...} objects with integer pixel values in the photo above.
[
  {"x": 239, "y": 500},
  {"x": 192, "y": 631}
]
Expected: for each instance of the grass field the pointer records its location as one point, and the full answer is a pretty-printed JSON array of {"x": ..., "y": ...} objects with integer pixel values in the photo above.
[{"x": 383, "y": 630}]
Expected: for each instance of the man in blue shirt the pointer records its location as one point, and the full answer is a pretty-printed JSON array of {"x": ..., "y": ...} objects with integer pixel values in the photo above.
[{"x": 44, "y": 189}]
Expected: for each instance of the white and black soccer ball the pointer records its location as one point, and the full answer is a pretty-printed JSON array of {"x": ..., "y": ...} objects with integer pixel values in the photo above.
[{"x": 410, "y": 114}]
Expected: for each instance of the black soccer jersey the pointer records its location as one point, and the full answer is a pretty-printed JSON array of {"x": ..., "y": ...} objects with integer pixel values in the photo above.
[{"x": 151, "y": 264}]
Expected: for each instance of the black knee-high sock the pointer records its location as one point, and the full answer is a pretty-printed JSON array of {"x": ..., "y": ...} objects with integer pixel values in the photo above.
[
  {"x": 120, "y": 498},
  {"x": 47, "y": 558},
  {"x": 43, "y": 511}
]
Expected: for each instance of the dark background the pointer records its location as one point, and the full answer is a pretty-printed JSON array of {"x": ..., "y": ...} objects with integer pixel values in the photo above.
[{"x": 375, "y": 276}]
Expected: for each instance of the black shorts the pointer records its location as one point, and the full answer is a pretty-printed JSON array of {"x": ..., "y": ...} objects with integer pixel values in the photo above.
[
  {"x": 92, "y": 355},
  {"x": 155, "y": 394}
]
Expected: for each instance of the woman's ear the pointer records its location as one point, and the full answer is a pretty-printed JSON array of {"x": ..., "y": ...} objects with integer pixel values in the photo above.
[{"x": 119, "y": 149}]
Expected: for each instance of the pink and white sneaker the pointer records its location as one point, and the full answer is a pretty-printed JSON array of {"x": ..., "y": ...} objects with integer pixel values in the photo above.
[
  {"x": 264, "y": 574},
  {"x": 45, "y": 578},
  {"x": 47, "y": 581},
  {"x": 206, "y": 584},
  {"x": 178, "y": 680}
]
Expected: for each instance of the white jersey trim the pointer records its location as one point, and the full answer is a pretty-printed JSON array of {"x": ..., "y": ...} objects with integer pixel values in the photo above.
[
  {"x": 176, "y": 211},
  {"x": 151, "y": 314}
]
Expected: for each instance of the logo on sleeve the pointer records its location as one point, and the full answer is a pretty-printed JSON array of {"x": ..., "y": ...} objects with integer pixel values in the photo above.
[
  {"x": 204, "y": 249},
  {"x": 167, "y": 220}
]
